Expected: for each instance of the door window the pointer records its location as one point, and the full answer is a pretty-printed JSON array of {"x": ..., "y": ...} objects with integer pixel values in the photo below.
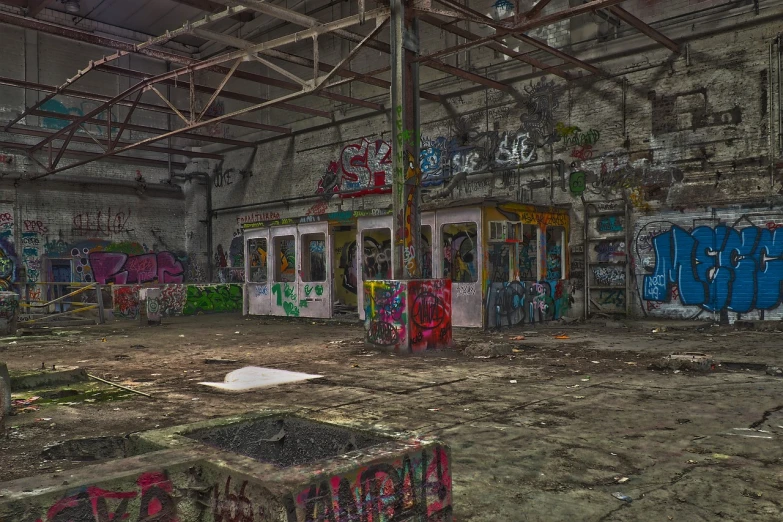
[
  {"x": 285, "y": 264},
  {"x": 460, "y": 253},
  {"x": 256, "y": 250}
]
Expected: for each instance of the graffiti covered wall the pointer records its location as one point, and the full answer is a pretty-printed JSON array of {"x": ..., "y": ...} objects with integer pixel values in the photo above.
[
  {"x": 726, "y": 263},
  {"x": 179, "y": 299}
]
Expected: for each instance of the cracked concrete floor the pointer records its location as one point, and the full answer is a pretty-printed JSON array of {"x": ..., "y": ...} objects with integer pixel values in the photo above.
[{"x": 584, "y": 413}]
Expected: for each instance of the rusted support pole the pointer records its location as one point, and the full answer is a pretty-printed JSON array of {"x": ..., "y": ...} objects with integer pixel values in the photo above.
[{"x": 406, "y": 175}]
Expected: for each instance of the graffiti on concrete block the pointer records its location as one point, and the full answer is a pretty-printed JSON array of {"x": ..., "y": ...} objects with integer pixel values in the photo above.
[
  {"x": 610, "y": 224},
  {"x": 126, "y": 301},
  {"x": 414, "y": 487},
  {"x": 233, "y": 507},
  {"x": 430, "y": 314},
  {"x": 718, "y": 268},
  {"x": 93, "y": 504},
  {"x": 385, "y": 312}
]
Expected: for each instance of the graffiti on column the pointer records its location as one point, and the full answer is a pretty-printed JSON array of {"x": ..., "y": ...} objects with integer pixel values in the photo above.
[
  {"x": 7, "y": 251},
  {"x": 412, "y": 180}
]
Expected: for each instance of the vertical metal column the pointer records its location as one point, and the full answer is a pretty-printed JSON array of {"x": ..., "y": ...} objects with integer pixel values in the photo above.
[{"x": 406, "y": 177}]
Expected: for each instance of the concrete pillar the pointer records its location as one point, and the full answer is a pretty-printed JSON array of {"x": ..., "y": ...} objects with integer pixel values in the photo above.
[
  {"x": 9, "y": 312},
  {"x": 5, "y": 394},
  {"x": 406, "y": 136}
]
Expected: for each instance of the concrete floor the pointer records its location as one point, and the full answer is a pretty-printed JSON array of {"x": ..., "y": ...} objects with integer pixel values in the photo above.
[{"x": 584, "y": 414}]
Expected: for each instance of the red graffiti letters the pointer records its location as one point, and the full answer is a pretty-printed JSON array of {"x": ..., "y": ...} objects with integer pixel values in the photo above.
[{"x": 93, "y": 504}]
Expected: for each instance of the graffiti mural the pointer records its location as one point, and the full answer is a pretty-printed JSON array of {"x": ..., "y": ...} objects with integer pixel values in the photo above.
[
  {"x": 541, "y": 103},
  {"x": 101, "y": 223},
  {"x": 92, "y": 503},
  {"x": 717, "y": 268},
  {"x": 415, "y": 487},
  {"x": 363, "y": 168},
  {"x": 7, "y": 251},
  {"x": 210, "y": 299},
  {"x": 512, "y": 303},
  {"x": 430, "y": 314},
  {"x": 121, "y": 268},
  {"x": 609, "y": 275}
]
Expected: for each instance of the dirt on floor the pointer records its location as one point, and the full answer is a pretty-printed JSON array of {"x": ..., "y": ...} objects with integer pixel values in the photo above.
[{"x": 546, "y": 423}]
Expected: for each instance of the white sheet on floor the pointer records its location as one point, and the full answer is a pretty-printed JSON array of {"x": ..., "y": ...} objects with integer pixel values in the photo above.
[{"x": 252, "y": 377}]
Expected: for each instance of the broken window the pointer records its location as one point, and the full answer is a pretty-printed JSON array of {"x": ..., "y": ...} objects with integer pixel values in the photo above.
[
  {"x": 285, "y": 265},
  {"x": 555, "y": 246},
  {"x": 376, "y": 254},
  {"x": 256, "y": 251},
  {"x": 314, "y": 257},
  {"x": 460, "y": 252}
]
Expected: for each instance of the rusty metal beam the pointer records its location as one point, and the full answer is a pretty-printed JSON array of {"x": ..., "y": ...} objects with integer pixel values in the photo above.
[
  {"x": 495, "y": 46},
  {"x": 239, "y": 43},
  {"x": 141, "y": 75},
  {"x": 212, "y": 7},
  {"x": 36, "y": 6},
  {"x": 25, "y": 131},
  {"x": 142, "y": 106},
  {"x": 376, "y": 14},
  {"x": 143, "y": 128},
  {"x": 644, "y": 28},
  {"x": 521, "y": 28},
  {"x": 467, "y": 75},
  {"x": 536, "y": 9},
  {"x": 538, "y": 44},
  {"x": 116, "y": 159}
]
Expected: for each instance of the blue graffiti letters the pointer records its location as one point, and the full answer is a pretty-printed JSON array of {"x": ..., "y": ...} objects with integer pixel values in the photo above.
[{"x": 718, "y": 269}]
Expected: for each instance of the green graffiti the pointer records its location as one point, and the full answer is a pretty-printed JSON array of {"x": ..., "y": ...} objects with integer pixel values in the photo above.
[
  {"x": 290, "y": 292},
  {"x": 278, "y": 293},
  {"x": 290, "y": 309},
  {"x": 308, "y": 290},
  {"x": 213, "y": 299},
  {"x": 303, "y": 303},
  {"x": 319, "y": 290}
]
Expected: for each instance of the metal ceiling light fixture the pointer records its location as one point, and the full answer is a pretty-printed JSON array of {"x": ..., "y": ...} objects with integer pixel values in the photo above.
[{"x": 72, "y": 6}]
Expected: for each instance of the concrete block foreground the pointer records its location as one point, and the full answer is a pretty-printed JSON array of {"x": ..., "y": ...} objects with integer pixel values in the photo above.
[{"x": 269, "y": 466}]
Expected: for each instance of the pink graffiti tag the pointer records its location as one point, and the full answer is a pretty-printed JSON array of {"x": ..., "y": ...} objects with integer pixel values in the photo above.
[{"x": 122, "y": 269}]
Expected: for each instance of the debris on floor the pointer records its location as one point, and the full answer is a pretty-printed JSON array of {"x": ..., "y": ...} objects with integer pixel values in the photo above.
[
  {"x": 253, "y": 377},
  {"x": 691, "y": 361}
]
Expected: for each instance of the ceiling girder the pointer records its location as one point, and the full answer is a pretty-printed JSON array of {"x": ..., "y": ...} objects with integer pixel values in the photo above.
[
  {"x": 644, "y": 28},
  {"x": 142, "y": 106}
]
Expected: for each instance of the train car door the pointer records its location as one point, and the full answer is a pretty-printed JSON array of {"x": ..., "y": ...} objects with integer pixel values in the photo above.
[
  {"x": 315, "y": 270},
  {"x": 374, "y": 253},
  {"x": 257, "y": 292},
  {"x": 458, "y": 255}
]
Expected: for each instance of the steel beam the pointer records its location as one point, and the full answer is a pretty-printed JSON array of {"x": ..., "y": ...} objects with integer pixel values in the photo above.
[
  {"x": 495, "y": 46},
  {"x": 143, "y": 128},
  {"x": 36, "y": 6},
  {"x": 212, "y": 7},
  {"x": 467, "y": 75},
  {"x": 537, "y": 43},
  {"x": 536, "y": 9},
  {"x": 78, "y": 154},
  {"x": 142, "y": 106},
  {"x": 644, "y": 28},
  {"x": 526, "y": 26},
  {"x": 25, "y": 131},
  {"x": 238, "y": 43}
]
